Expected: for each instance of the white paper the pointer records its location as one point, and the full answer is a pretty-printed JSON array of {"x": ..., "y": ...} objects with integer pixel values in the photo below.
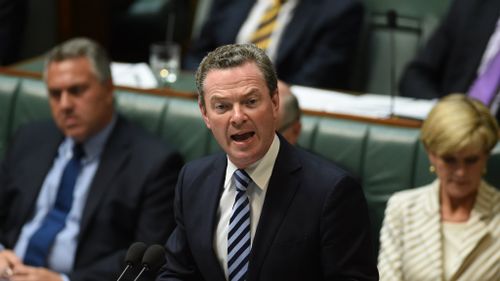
[
  {"x": 137, "y": 75},
  {"x": 369, "y": 105}
]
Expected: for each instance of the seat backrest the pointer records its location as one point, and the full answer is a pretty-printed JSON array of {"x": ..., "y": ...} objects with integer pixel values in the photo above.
[
  {"x": 8, "y": 89},
  {"x": 385, "y": 51},
  {"x": 183, "y": 126},
  {"x": 145, "y": 110},
  {"x": 31, "y": 103},
  {"x": 394, "y": 30},
  {"x": 384, "y": 158}
]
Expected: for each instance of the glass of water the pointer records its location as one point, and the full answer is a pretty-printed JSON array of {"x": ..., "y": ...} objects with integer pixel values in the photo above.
[{"x": 164, "y": 60}]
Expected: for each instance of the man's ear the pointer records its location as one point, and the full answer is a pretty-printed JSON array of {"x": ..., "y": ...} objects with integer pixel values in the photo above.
[{"x": 275, "y": 99}]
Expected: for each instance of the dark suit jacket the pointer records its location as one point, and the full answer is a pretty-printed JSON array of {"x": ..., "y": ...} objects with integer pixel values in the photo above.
[
  {"x": 450, "y": 60},
  {"x": 130, "y": 198},
  {"x": 314, "y": 223},
  {"x": 317, "y": 46}
]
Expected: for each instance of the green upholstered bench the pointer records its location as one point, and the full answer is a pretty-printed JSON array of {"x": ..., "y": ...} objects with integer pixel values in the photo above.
[{"x": 385, "y": 158}]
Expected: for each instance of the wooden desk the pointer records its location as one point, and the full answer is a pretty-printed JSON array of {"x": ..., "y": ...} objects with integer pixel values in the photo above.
[{"x": 185, "y": 87}]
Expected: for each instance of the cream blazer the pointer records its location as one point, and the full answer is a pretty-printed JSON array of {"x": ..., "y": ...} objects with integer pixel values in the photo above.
[{"x": 411, "y": 238}]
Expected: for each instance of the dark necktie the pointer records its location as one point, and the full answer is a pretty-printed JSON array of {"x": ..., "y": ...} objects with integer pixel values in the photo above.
[
  {"x": 485, "y": 87},
  {"x": 262, "y": 35},
  {"x": 42, "y": 240},
  {"x": 238, "y": 238}
]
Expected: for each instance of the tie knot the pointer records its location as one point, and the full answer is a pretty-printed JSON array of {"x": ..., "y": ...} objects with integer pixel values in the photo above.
[
  {"x": 78, "y": 151},
  {"x": 242, "y": 180}
]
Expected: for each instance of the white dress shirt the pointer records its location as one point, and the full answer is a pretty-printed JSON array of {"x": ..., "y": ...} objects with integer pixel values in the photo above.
[
  {"x": 260, "y": 173},
  {"x": 62, "y": 255}
]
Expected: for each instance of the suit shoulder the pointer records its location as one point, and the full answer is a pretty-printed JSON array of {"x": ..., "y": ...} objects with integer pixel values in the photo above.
[
  {"x": 320, "y": 166},
  {"x": 34, "y": 132},
  {"x": 38, "y": 128},
  {"x": 144, "y": 140},
  {"x": 204, "y": 163}
]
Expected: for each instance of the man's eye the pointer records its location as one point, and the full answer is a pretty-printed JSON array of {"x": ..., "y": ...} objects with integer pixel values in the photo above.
[
  {"x": 55, "y": 94},
  {"x": 220, "y": 106},
  {"x": 252, "y": 102},
  {"x": 76, "y": 90}
]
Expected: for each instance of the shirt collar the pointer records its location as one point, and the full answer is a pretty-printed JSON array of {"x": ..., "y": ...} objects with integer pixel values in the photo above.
[
  {"x": 93, "y": 146},
  {"x": 260, "y": 171}
]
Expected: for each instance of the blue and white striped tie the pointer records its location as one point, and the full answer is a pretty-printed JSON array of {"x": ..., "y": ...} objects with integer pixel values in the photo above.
[{"x": 238, "y": 238}]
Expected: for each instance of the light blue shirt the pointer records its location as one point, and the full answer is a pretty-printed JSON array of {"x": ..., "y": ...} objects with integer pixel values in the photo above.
[{"x": 62, "y": 255}]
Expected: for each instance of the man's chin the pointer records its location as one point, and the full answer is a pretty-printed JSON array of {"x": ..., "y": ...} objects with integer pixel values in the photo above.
[{"x": 77, "y": 135}]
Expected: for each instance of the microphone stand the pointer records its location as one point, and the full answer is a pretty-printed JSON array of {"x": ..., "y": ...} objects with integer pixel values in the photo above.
[{"x": 392, "y": 25}]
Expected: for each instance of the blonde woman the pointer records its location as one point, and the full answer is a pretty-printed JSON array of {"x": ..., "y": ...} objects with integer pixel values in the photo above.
[{"x": 449, "y": 229}]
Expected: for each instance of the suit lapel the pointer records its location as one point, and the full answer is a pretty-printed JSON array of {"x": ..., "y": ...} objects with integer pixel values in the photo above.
[
  {"x": 114, "y": 156},
  {"x": 42, "y": 160},
  {"x": 209, "y": 193},
  {"x": 483, "y": 21},
  {"x": 430, "y": 236},
  {"x": 234, "y": 16},
  {"x": 294, "y": 31},
  {"x": 282, "y": 188}
]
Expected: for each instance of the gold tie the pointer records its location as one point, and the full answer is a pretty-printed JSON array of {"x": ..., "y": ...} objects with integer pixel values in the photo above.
[{"x": 262, "y": 35}]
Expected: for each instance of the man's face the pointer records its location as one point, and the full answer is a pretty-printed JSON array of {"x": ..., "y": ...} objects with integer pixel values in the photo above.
[
  {"x": 81, "y": 105},
  {"x": 240, "y": 112}
]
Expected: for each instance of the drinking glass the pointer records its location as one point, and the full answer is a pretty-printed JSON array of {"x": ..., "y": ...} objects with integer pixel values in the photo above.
[{"x": 164, "y": 60}]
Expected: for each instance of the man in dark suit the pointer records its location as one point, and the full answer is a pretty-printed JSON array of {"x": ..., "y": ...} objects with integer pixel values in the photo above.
[
  {"x": 312, "y": 44},
  {"x": 451, "y": 60},
  {"x": 263, "y": 210},
  {"x": 121, "y": 192}
]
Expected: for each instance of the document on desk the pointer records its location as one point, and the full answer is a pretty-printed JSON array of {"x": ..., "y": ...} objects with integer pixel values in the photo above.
[
  {"x": 368, "y": 105},
  {"x": 137, "y": 75}
]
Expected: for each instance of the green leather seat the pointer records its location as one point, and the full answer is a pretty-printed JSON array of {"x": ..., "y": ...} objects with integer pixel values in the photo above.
[
  {"x": 31, "y": 103},
  {"x": 309, "y": 126},
  {"x": 343, "y": 142},
  {"x": 146, "y": 111},
  {"x": 415, "y": 21},
  {"x": 385, "y": 158},
  {"x": 183, "y": 127},
  {"x": 388, "y": 162}
]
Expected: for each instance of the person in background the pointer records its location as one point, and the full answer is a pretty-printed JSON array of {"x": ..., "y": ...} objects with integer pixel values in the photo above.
[
  {"x": 461, "y": 56},
  {"x": 262, "y": 209},
  {"x": 288, "y": 122},
  {"x": 310, "y": 42},
  {"x": 449, "y": 229},
  {"x": 77, "y": 190}
]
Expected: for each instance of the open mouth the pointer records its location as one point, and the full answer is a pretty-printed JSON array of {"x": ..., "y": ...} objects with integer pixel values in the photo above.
[{"x": 242, "y": 137}]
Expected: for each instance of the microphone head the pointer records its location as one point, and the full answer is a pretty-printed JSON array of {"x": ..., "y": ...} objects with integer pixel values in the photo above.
[
  {"x": 392, "y": 18},
  {"x": 154, "y": 257},
  {"x": 135, "y": 253}
]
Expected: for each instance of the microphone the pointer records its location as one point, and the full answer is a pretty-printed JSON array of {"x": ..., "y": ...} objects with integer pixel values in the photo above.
[
  {"x": 153, "y": 259},
  {"x": 392, "y": 25},
  {"x": 392, "y": 19},
  {"x": 133, "y": 257}
]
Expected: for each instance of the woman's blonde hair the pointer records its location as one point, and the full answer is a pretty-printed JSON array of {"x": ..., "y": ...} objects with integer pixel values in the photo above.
[{"x": 457, "y": 122}]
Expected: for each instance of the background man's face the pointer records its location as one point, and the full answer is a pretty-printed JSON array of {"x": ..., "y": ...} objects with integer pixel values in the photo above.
[{"x": 81, "y": 105}]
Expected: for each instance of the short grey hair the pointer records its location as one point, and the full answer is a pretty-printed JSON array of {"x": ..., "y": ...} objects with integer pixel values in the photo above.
[
  {"x": 82, "y": 47},
  {"x": 234, "y": 55}
]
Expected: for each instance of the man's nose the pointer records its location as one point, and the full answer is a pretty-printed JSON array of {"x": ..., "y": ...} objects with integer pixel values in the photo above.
[
  {"x": 238, "y": 116},
  {"x": 65, "y": 100}
]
